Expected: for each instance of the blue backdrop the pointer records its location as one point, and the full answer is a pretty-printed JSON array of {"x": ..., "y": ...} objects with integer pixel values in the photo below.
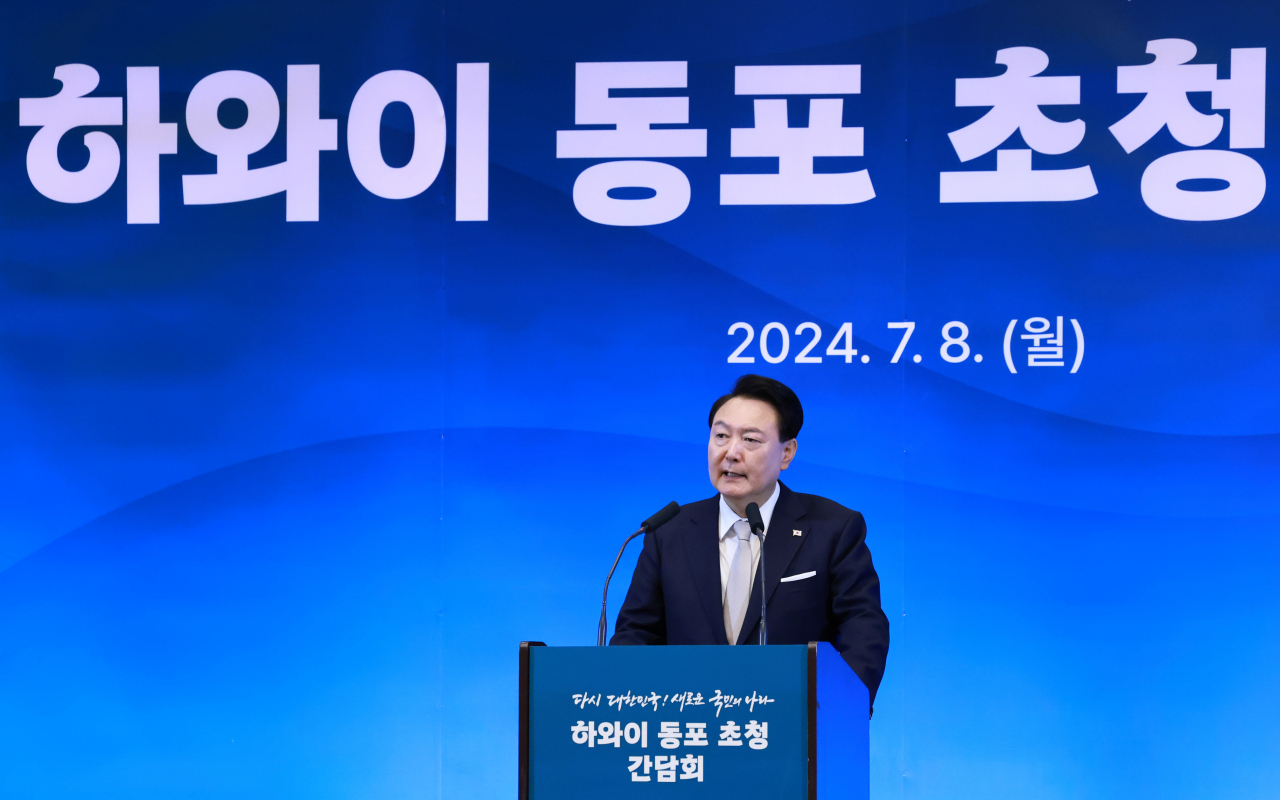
[{"x": 280, "y": 497}]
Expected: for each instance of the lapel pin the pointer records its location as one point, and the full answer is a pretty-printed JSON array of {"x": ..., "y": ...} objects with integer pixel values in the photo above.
[{"x": 795, "y": 532}]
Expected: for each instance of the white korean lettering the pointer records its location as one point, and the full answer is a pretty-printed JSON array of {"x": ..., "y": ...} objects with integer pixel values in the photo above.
[
  {"x": 632, "y": 137},
  {"x": 1015, "y": 97},
  {"x": 1247, "y": 184},
  {"x": 634, "y": 733},
  {"x": 364, "y": 131},
  {"x": 56, "y": 116},
  {"x": 723, "y": 701},
  {"x": 669, "y": 735},
  {"x": 584, "y": 733},
  {"x": 610, "y": 733},
  {"x": 471, "y": 187},
  {"x": 730, "y": 735},
  {"x": 298, "y": 176},
  {"x": 146, "y": 139},
  {"x": 1244, "y": 94},
  {"x": 638, "y": 762},
  {"x": 1166, "y": 82},
  {"x": 757, "y": 734},
  {"x": 306, "y": 134},
  {"x": 670, "y": 187},
  {"x": 666, "y": 766},
  {"x": 795, "y": 182},
  {"x": 1046, "y": 346},
  {"x": 695, "y": 734},
  {"x": 582, "y": 699},
  {"x": 691, "y": 768}
]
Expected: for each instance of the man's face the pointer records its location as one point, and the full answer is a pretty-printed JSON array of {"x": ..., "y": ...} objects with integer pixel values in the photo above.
[{"x": 744, "y": 456}]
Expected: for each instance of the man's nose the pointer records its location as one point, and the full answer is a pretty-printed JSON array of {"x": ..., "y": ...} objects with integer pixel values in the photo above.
[{"x": 734, "y": 452}]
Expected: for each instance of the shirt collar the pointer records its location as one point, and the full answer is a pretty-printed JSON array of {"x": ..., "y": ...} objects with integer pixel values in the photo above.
[{"x": 728, "y": 516}]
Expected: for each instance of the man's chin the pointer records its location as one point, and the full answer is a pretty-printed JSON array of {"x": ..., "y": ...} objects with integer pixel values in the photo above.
[{"x": 734, "y": 489}]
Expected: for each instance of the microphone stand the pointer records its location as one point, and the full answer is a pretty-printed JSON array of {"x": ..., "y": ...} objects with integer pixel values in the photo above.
[
  {"x": 664, "y": 515},
  {"x": 757, "y": 527},
  {"x": 764, "y": 590},
  {"x": 603, "y": 629}
]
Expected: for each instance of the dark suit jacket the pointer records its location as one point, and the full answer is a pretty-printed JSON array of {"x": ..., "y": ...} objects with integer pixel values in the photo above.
[{"x": 675, "y": 594}]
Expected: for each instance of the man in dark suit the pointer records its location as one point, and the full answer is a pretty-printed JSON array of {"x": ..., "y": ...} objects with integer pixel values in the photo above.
[{"x": 695, "y": 582}]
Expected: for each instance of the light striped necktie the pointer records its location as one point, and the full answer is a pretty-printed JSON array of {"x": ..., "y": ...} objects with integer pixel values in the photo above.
[{"x": 738, "y": 592}]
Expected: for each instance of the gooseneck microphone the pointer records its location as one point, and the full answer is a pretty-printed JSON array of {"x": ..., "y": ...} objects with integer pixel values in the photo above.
[
  {"x": 650, "y": 525},
  {"x": 757, "y": 527}
]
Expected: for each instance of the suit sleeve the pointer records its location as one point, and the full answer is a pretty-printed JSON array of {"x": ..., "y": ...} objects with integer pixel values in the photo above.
[
  {"x": 642, "y": 619},
  {"x": 862, "y": 630}
]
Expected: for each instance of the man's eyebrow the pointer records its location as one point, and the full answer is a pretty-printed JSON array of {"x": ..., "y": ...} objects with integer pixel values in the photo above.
[{"x": 749, "y": 429}]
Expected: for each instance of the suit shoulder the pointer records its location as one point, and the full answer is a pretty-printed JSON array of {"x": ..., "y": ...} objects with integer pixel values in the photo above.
[
  {"x": 818, "y": 507},
  {"x": 692, "y": 515}
]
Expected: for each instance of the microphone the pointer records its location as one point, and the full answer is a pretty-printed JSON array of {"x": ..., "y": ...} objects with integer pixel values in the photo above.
[
  {"x": 665, "y": 515},
  {"x": 757, "y": 527}
]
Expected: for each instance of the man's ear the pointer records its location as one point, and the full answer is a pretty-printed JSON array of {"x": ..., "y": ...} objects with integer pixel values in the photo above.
[{"x": 789, "y": 452}]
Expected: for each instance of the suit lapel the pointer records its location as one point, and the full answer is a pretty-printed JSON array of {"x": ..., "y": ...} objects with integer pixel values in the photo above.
[
  {"x": 702, "y": 549},
  {"x": 780, "y": 547}
]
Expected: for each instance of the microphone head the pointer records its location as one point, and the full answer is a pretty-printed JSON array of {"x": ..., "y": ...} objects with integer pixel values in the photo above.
[
  {"x": 754, "y": 519},
  {"x": 664, "y": 516}
]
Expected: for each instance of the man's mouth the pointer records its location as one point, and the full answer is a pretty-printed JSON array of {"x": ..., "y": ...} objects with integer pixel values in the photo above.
[{"x": 728, "y": 474}]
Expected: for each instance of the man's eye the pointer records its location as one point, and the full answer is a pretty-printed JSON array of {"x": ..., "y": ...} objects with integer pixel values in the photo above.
[{"x": 753, "y": 441}]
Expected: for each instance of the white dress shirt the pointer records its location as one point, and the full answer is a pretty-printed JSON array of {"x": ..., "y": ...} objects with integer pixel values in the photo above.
[{"x": 729, "y": 542}]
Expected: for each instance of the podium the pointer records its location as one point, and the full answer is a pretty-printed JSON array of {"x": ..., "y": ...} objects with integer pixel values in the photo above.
[{"x": 785, "y": 722}]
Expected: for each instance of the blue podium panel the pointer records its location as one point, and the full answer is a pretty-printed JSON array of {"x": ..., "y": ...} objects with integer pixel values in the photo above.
[
  {"x": 668, "y": 722},
  {"x": 843, "y": 736}
]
